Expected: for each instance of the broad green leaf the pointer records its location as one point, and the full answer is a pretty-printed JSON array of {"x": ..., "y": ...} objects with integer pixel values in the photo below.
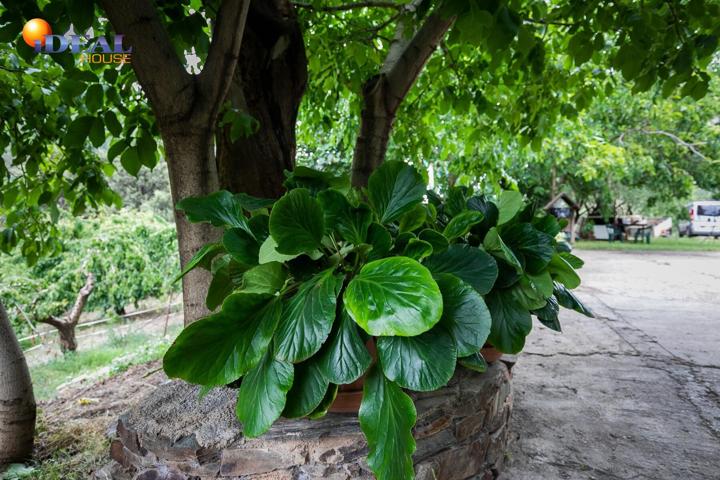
[
  {"x": 394, "y": 189},
  {"x": 470, "y": 264},
  {"x": 543, "y": 282},
  {"x": 223, "y": 347},
  {"x": 202, "y": 258},
  {"x": 241, "y": 245},
  {"x": 130, "y": 161},
  {"x": 219, "y": 208},
  {"x": 94, "y": 97},
  {"x": 571, "y": 259},
  {"x": 78, "y": 131},
  {"x": 380, "y": 240},
  {"x": 112, "y": 123},
  {"x": 534, "y": 246},
  {"x": 488, "y": 209},
  {"x": 547, "y": 224},
  {"x": 423, "y": 363},
  {"x": 461, "y": 224},
  {"x": 474, "y": 362},
  {"x": 563, "y": 272},
  {"x": 568, "y": 300},
  {"x": 394, "y": 296},
  {"x": 259, "y": 225},
  {"x": 116, "y": 149},
  {"x": 413, "y": 219},
  {"x": 387, "y": 416},
  {"x": 268, "y": 252},
  {"x": 350, "y": 222},
  {"x": 417, "y": 249},
  {"x": 220, "y": 287},
  {"x": 263, "y": 394},
  {"x": 465, "y": 314},
  {"x": 511, "y": 323},
  {"x": 509, "y": 204},
  {"x": 527, "y": 294},
  {"x": 548, "y": 315},
  {"x": 315, "y": 180},
  {"x": 326, "y": 403},
  {"x": 308, "y": 389},
  {"x": 344, "y": 357},
  {"x": 97, "y": 132},
  {"x": 436, "y": 239},
  {"x": 147, "y": 149},
  {"x": 495, "y": 246},
  {"x": 252, "y": 204},
  {"x": 296, "y": 223},
  {"x": 308, "y": 317},
  {"x": 266, "y": 278}
]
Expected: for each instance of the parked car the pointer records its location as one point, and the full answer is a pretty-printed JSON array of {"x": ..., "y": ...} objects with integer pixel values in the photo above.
[{"x": 704, "y": 219}]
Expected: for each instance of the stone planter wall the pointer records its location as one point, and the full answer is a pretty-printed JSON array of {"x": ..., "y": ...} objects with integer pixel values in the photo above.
[{"x": 461, "y": 433}]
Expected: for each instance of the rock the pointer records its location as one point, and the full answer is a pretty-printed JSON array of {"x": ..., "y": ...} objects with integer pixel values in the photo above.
[{"x": 461, "y": 433}]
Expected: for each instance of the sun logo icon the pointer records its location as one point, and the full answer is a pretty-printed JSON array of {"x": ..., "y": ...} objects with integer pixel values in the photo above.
[{"x": 35, "y": 31}]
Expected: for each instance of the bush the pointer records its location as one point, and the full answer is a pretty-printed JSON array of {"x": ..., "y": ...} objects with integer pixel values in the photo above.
[{"x": 132, "y": 254}]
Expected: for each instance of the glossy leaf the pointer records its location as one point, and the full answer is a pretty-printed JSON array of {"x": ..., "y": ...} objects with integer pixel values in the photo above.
[
  {"x": 380, "y": 240},
  {"x": 263, "y": 394},
  {"x": 417, "y": 249},
  {"x": 267, "y": 278},
  {"x": 308, "y": 390},
  {"x": 268, "y": 252},
  {"x": 394, "y": 296},
  {"x": 394, "y": 189},
  {"x": 344, "y": 357},
  {"x": 470, "y": 264},
  {"x": 495, "y": 246},
  {"x": 202, "y": 258},
  {"x": 548, "y": 315},
  {"x": 535, "y": 247},
  {"x": 241, "y": 245},
  {"x": 308, "y": 317},
  {"x": 474, "y": 362},
  {"x": 509, "y": 204},
  {"x": 436, "y": 239},
  {"x": 567, "y": 299},
  {"x": 352, "y": 223},
  {"x": 465, "y": 314},
  {"x": 423, "y": 363},
  {"x": 221, "y": 348},
  {"x": 325, "y": 403},
  {"x": 461, "y": 224},
  {"x": 563, "y": 272},
  {"x": 511, "y": 323},
  {"x": 387, "y": 416},
  {"x": 296, "y": 223},
  {"x": 219, "y": 208}
]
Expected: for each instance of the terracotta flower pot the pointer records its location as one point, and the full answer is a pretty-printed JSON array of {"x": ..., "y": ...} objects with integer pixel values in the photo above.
[
  {"x": 349, "y": 396},
  {"x": 490, "y": 353}
]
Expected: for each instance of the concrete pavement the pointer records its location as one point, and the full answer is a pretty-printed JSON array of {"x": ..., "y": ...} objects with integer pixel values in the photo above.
[{"x": 634, "y": 393}]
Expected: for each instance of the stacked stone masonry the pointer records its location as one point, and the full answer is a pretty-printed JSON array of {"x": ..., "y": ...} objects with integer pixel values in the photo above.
[{"x": 461, "y": 433}]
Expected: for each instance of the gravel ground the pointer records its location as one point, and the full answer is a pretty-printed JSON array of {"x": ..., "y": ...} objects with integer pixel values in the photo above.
[{"x": 634, "y": 393}]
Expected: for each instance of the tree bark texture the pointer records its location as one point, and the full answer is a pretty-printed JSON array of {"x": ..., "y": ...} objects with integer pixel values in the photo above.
[
  {"x": 186, "y": 108},
  {"x": 268, "y": 84},
  {"x": 384, "y": 92},
  {"x": 17, "y": 402}
]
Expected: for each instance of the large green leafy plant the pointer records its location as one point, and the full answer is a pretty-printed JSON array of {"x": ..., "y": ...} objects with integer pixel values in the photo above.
[{"x": 301, "y": 290}]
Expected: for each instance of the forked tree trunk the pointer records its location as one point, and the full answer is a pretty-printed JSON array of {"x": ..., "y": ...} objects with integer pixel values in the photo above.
[
  {"x": 17, "y": 402},
  {"x": 268, "y": 85},
  {"x": 66, "y": 325}
]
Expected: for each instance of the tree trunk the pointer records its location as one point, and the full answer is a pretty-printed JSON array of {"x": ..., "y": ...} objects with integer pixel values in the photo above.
[
  {"x": 268, "y": 85},
  {"x": 68, "y": 340},
  {"x": 193, "y": 173},
  {"x": 17, "y": 402}
]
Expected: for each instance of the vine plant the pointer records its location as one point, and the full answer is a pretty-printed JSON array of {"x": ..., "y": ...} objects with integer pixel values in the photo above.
[{"x": 302, "y": 284}]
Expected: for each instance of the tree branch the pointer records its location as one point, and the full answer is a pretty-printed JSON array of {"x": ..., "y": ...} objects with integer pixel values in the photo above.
[
  {"x": 349, "y": 6},
  {"x": 223, "y": 54},
  {"x": 159, "y": 70},
  {"x": 73, "y": 316},
  {"x": 679, "y": 141}
]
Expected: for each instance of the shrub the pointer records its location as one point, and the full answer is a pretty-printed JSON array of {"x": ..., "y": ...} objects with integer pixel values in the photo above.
[{"x": 301, "y": 290}]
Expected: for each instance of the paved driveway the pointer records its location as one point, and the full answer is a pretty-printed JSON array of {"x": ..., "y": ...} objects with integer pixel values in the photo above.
[{"x": 634, "y": 393}]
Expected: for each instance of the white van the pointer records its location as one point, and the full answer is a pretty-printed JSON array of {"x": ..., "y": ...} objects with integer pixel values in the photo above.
[{"x": 704, "y": 219}]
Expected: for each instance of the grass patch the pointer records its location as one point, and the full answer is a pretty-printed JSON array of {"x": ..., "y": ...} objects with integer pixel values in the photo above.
[
  {"x": 657, "y": 244},
  {"x": 115, "y": 356},
  {"x": 72, "y": 452}
]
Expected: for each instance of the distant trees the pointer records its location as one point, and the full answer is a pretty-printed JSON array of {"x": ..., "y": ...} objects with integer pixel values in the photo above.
[{"x": 102, "y": 264}]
